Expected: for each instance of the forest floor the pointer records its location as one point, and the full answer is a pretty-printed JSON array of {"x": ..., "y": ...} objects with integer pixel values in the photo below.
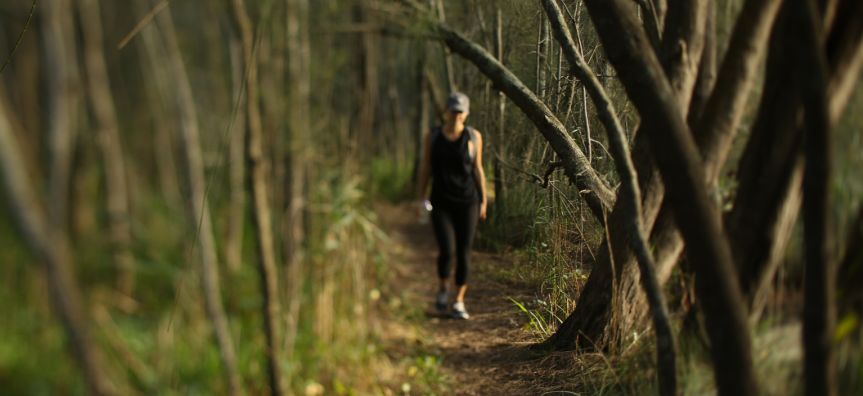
[
  {"x": 490, "y": 354},
  {"x": 487, "y": 354}
]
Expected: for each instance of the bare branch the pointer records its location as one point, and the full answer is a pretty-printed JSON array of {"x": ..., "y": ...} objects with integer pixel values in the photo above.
[
  {"x": 142, "y": 24},
  {"x": 724, "y": 110},
  {"x": 20, "y": 37}
]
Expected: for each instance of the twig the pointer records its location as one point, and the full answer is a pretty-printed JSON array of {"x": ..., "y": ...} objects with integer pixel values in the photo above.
[
  {"x": 20, "y": 37},
  {"x": 551, "y": 168},
  {"x": 542, "y": 181},
  {"x": 142, "y": 24},
  {"x": 375, "y": 29}
]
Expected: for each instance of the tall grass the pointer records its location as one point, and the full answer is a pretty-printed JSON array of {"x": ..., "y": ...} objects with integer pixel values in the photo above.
[{"x": 160, "y": 340}]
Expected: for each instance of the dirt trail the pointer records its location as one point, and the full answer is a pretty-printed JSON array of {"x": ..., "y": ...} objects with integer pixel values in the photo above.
[{"x": 485, "y": 355}]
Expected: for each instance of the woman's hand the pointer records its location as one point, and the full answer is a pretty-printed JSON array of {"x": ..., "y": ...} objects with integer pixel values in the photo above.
[
  {"x": 423, "y": 211},
  {"x": 482, "y": 210}
]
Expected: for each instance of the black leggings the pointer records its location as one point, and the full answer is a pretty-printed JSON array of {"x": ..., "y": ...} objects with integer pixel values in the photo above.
[{"x": 454, "y": 227}]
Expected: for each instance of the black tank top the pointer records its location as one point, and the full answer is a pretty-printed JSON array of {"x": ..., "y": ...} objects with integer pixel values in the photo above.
[{"x": 453, "y": 180}]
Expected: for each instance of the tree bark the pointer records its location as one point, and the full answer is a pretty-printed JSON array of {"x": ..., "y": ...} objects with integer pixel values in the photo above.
[
  {"x": 299, "y": 125},
  {"x": 50, "y": 245},
  {"x": 63, "y": 81},
  {"x": 236, "y": 168},
  {"x": 764, "y": 176},
  {"x": 500, "y": 147},
  {"x": 682, "y": 46},
  {"x": 819, "y": 314},
  {"x": 108, "y": 136},
  {"x": 257, "y": 179},
  {"x": 766, "y": 184},
  {"x": 542, "y": 49},
  {"x": 707, "y": 69},
  {"x": 718, "y": 125},
  {"x": 180, "y": 89},
  {"x": 367, "y": 54},
  {"x": 449, "y": 72},
  {"x": 422, "y": 122},
  {"x": 678, "y": 160},
  {"x": 598, "y": 317},
  {"x": 630, "y": 198},
  {"x": 593, "y": 318},
  {"x": 850, "y": 272}
]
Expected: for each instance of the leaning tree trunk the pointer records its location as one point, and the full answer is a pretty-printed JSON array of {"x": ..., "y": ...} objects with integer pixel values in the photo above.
[
  {"x": 678, "y": 161},
  {"x": 51, "y": 246},
  {"x": 765, "y": 181},
  {"x": 596, "y": 316},
  {"x": 819, "y": 311},
  {"x": 174, "y": 83},
  {"x": 717, "y": 125},
  {"x": 257, "y": 179},
  {"x": 108, "y": 136},
  {"x": 767, "y": 186},
  {"x": 608, "y": 310},
  {"x": 630, "y": 198}
]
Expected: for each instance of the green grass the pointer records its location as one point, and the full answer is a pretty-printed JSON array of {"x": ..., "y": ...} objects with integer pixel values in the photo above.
[
  {"x": 389, "y": 180},
  {"x": 168, "y": 333}
]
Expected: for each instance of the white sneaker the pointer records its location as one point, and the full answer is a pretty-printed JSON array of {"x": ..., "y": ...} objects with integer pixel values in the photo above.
[{"x": 459, "y": 312}]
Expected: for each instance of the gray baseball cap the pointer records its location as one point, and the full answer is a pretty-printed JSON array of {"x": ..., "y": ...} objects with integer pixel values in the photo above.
[{"x": 459, "y": 102}]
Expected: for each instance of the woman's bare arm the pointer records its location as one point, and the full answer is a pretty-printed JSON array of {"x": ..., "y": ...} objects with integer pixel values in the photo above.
[{"x": 480, "y": 175}]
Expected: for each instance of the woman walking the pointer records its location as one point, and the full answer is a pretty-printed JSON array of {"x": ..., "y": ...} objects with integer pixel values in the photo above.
[{"x": 452, "y": 156}]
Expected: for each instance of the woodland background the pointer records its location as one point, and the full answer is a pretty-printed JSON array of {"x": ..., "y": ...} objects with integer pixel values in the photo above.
[{"x": 162, "y": 233}]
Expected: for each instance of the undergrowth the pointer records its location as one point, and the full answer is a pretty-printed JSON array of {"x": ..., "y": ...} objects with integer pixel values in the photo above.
[{"x": 160, "y": 341}]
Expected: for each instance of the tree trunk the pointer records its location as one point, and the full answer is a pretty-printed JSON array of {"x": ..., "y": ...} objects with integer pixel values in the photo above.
[
  {"x": 177, "y": 86},
  {"x": 299, "y": 125},
  {"x": 449, "y": 72},
  {"x": 542, "y": 49},
  {"x": 678, "y": 160},
  {"x": 851, "y": 269},
  {"x": 237, "y": 169},
  {"x": 108, "y": 136},
  {"x": 63, "y": 81},
  {"x": 50, "y": 245},
  {"x": 499, "y": 146},
  {"x": 258, "y": 182},
  {"x": 707, "y": 69},
  {"x": 593, "y": 319},
  {"x": 724, "y": 110},
  {"x": 422, "y": 123},
  {"x": 367, "y": 53},
  {"x": 599, "y": 316},
  {"x": 819, "y": 314},
  {"x": 630, "y": 198},
  {"x": 766, "y": 183}
]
